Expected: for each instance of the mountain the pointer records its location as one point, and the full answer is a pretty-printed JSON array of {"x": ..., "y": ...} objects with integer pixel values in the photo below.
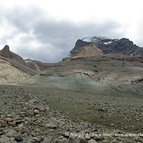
[
  {"x": 27, "y": 66},
  {"x": 15, "y": 61},
  {"x": 108, "y": 46}
]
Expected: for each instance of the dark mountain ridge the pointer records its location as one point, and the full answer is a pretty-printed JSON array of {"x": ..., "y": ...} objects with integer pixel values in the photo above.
[{"x": 109, "y": 46}]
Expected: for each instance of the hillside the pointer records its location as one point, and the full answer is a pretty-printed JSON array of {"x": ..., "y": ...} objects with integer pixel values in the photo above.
[
  {"x": 10, "y": 74},
  {"x": 29, "y": 67},
  {"x": 87, "y": 51},
  {"x": 102, "y": 89}
]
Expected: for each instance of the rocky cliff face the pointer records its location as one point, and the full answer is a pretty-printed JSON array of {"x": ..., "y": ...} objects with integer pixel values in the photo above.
[{"x": 109, "y": 46}]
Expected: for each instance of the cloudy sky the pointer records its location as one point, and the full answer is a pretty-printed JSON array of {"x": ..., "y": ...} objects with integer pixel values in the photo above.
[{"x": 47, "y": 30}]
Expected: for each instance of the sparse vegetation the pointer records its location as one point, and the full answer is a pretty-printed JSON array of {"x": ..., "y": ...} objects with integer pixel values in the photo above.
[{"x": 118, "y": 112}]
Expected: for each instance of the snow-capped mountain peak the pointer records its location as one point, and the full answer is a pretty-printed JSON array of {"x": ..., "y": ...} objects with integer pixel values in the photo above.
[
  {"x": 99, "y": 39},
  {"x": 109, "y": 46}
]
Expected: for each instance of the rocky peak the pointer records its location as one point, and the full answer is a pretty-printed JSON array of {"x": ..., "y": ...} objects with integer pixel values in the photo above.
[
  {"x": 6, "y": 48},
  {"x": 78, "y": 45},
  {"x": 126, "y": 42},
  {"x": 109, "y": 46},
  {"x": 96, "y": 39},
  {"x": 6, "y": 53}
]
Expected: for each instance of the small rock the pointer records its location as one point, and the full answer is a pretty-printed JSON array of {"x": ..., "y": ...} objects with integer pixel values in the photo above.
[
  {"x": 82, "y": 140},
  {"x": 66, "y": 134},
  {"x": 36, "y": 111},
  {"x": 4, "y": 139},
  {"x": 18, "y": 121},
  {"x": 12, "y": 124},
  {"x": 98, "y": 138},
  {"x": 22, "y": 129},
  {"x": 11, "y": 133},
  {"x": 51, "y": 125},
  {"x": 12, "y": 140},
  {"x": 30, "y": 112},
  {"x": 1, "y": 133},
  {"x": 87, "y": 136},
  {"x": 61, "y": 138},
  {"x": 18, "y": 138},
  {"x": 47, "y": 139},
  {"x": 92, "y": 141},
  {"x": 112, "y": 124},
  {"x": 8, "y": 119},
  {"x": 22, "y": 114},
  {"x": 2, "y": 123},
  {"x": 114, "y": 141},
  {"x": 36, "y": 140},
  {"x": 9, "y": 115},
  {"x": 21, "y": 126},
  {"x": 101, "y": 109}
]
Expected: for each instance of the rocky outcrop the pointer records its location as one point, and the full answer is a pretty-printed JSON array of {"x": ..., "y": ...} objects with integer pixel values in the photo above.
[
  {"x": 5, "y": 52},
  {"x": 109, "y": 46}
]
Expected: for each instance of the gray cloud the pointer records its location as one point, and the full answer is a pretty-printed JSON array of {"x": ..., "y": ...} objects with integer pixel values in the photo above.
[{"x": 37, "y": 36}]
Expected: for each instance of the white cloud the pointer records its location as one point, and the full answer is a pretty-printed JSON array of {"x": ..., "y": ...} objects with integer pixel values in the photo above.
[
  {"x": 54, "y": 25},
  {"x": 82, "y": 10}
]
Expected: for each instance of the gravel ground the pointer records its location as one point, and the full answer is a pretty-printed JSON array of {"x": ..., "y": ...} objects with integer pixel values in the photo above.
[{"x": 24, "y": 118}]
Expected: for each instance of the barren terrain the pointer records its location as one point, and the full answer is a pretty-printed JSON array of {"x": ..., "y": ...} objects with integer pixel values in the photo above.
[{"x": 85, "y": 99}]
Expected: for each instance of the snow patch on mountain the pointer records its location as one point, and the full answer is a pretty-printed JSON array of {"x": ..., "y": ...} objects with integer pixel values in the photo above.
[{"x": 99, "y": 39}]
